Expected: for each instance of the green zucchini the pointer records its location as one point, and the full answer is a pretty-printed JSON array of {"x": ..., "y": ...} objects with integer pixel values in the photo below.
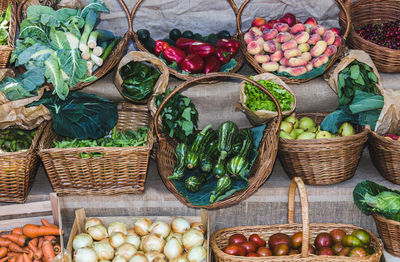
[
  {"x": 194, "y": 183},
  {"x": 199, "y": 139},
  {"x": 208, "y": 156},
  {"x": 178, "y": 174},
  {"x": 247, "y": 144},
  {"x": 223, "y": 185},
  {"x": 227, "y": 133},
  {"x": 181, "y": 152},
  {"x": 219, "y": 168},
  {"x": 237, "y": 166},
  {"x": 192, "y": 160}
]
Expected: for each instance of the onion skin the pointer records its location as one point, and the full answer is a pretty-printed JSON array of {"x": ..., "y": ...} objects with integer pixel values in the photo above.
[
  {"x": 155, "y": 257},
  {"x": 160, "y": 228},
  {"x": 192, "y": 238},
  {"x": 134, "y": 240},
  {"x": 199, "y": 226},
  {"x": 92, "y": 221},
  {"x": 103, "y": 250},
  {"x": 117, "y": 227},
  {"x": 152, "y": 243},
  {"x": 98, "y": 232},
  {"x": 82, "y": 240},
  {"x": 197, "y": 254},
  {"x": 117, "y": 239},
  {"x": 138, "y": 258},
  {"x": 173, "y": 249},
  {"x": 142, "y": 226},
  {"x": 119, "y": 259},
  {"x": 180, "y": 259},
  {"x": 86, "y": 254},
  {"x": 126, "y": 251},
  {"x": 178, "y": 236},
  {"x": 180, "y": 225},
  {"x": 131, "y": 231}
]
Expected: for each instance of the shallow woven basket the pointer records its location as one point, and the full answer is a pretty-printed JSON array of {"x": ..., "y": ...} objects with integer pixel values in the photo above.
[
  {"x": 238, "y": 57},
  {"x": 365, "y": 12},
  {"x": 261, "y": 169},
  {"x": 115, "y": 55},
  {"x": 259, "y": 69},
  {"x": 322, "y": 161},
  {"x": 389, "y": 232},
  {"x": 18, "y": 170},
  {"x": 385, "y": 154},
  {"x": 220, "y": 238},
  {"x": 121, "y": 170},
  {"x": 6, "y": 50}
]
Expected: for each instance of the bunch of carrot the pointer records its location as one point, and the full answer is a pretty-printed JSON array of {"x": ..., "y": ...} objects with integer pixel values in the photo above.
[{"x": 30, "y": 243}]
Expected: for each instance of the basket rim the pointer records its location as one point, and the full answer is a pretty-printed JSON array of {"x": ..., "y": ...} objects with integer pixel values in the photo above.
[
  {"x": 380, "y": 48},
  {"x": 385, "y": 220},
  {"x": 382, "y": 139}
]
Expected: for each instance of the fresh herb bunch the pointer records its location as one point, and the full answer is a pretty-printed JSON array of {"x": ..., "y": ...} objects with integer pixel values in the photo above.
[
  {"x": 356, "y": 76},
  {"x": 257, "y": 100},
  {"x": 13, "y": 140},
  {"x": 179, "y": 116},
  {"x": 4, "y": 22}
]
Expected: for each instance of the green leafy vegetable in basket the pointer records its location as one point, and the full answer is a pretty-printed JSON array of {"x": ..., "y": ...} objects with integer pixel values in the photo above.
[
  {"x": 371, "y": 197},
  {"x": 138, "y": 80},
  {"x": 4, "y": 22},
  {"x": 179, "y": 116},
  {"x": 257, "y": 100},
  {"x": 13, "y": 140}
]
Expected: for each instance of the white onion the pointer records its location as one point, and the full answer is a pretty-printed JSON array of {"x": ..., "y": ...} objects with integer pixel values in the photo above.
[
  {"x": 119, "y": 259},
  {"x": 180, "y": 259},
  {"x": 152, "y": 243},
  {"x": 180, "y": 225},
  {"x": 103, "y": 260},
  {"x": 82, "y": 240},
  {"x": 142, "y": 226},
  {"x": 131, "y": 231},
  {"x": 117, "y": 239},
  {"x": 197, "y": 254},
  {"x": 160, "y": 228},
  {"x": 178, "y": 237},
  {"x": 139, "y": 258},
  {"x": 92, "y": 221},
  {"x": 117, "y": 227},
  {"x": 103, "y": 250},
  {"x": 105, "y": 240},
  {"x": 155, "y": 257},
  {"x": 86, "y": 254},
  {"x": 199, "y": 226},
  {"x": 126, "y": 251},
  {"x": 192, "y": 238},
  {"x": 173, "y": 249},
  {"x": 97, "y": 232},
  {"x": 134, "y": 240}
]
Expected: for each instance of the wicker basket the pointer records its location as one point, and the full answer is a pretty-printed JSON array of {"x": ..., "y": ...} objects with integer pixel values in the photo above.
[
  {"x": 261, "y": 169},
  {"x": 121, "y": 170},
  {"x": 238, "y": 57},
  {"x": 220, "y": 238},
  {"x": 322, "y": 161},
  {"x": 115, "y": 55},
  {"x": 389, "y": 232},
  {"x": 6, "y": 50},
  {"x": 259, "y": 69},
  {"x": 365, "y": 12},
  {"x": 385, "y": 154},
  {"x": 18, "y": 170}
]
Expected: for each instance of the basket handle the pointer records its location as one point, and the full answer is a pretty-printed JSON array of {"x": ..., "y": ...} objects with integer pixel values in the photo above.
[
  {"x": 339, "y": 2},
  {"x": 209, "y": 77},
  {"x": 139, "y": 2},
  {"x": 298, "y": 183}
]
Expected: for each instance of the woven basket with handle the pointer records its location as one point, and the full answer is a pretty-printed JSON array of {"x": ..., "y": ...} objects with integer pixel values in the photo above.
[
  {"x": 322, "y": 161},
  {"x": 262, "y": 167},
  {"x": 6, "y": 50},
  {"x": 121, "y": 170},
  {"x": 310, "y": 230},
  {"x": 18, "y": 170},
  {"x": 115, "y": 55},
  {"x": 365, "y": 12},
  {"x": 238, "y": 57},
  {"x": 385, "y": 154},
  {"x": 257, "y": 66},
  {"x": 389, "y": 232}
]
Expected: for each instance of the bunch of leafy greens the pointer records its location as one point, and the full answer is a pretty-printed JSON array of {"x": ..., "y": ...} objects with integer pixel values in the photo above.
[
  {"x": 22, "y": 86},
  {"x": 80, "y": 115},
  {"x": 179, "y": 116},
  {"x": 49, "y": 44},
  {"x": 371, "y": 197},
  {"x": 356, "y": 76},
  {"x": 258, "y": 100},
  {"x": 4, "y": 22}
]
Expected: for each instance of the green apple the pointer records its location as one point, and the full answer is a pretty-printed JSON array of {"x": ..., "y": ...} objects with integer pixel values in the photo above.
[
  {"x": 298, "y": 131},
  {"x": 346, "y": 129},
  {"x": 292, "y": 119},
  {"x": 323, "y": 134},
  {"x": 306, "y": 123},
  {"x": 287, "y": 127},
  {"x": 306, "y": 135},
  {"x": 283, "y": 134}
]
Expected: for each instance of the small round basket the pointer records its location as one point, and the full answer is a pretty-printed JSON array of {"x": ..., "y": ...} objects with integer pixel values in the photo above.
[
  {"x": 389, "y": 232},
  {"x": 322, "y": 161}
]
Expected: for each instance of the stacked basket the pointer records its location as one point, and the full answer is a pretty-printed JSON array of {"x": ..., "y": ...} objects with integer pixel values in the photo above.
[{"x": 6, "y": 50}]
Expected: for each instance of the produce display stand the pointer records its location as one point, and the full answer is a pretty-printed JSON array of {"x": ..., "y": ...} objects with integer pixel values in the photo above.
[
  {"x": 310, "y": 230},
  {"x": 80, "y": 220},
  {"x": 345, "y": 27},
  {"x": 6, "y": 50},
  {"x": 238, "y": 56}
]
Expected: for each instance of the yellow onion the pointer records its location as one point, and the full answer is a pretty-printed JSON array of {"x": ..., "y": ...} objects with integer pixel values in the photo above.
[
  {"x": 131, "y": 231},
  {"x": 119, "y": 259},
  {"x": 199, "y": 226},
  {"x": 97, "y": 232},
  {"x": 104, "y": 260},
  {"x": 142, "y": 226},
  {"x": 117, "y": 227},
  {"x": 106, "y": 240},
  {"x": 92, "y": 221},
  {"x": 82, "y": 240},
  {"x": 126, "y": 251},
  {"x": 152, "y": 242},
  {"x": 160, "y": 228},
  {"x": 155, "y": 257},
  {"x": 197, "y": 254},
  {"x": 134, "y": 240},
  {"x": 138, "y": 257},
  {"x": 180, "y": 225},
  {"x": 192, "y": 238},
  {"x": 103, "y": 250},
  {"x": 178, "y": 236},
  {"x": 173, "y": 249},
  {"x": 180, "y": 259},
  {"x": 117, "y": 239},
  {"x": 85, "y": 254}
]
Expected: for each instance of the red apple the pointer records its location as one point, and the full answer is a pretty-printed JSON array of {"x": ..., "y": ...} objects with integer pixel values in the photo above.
[
  {"x": 258, "y": 22},
  {"x": 311, "y": 21}
]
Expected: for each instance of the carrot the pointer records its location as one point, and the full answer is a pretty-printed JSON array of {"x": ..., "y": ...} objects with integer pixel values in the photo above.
[
  {"x": 4, "y": 259},
  {"x": 33, "y": 231},
  {"x": 33, "y": 244},
  {"x": 25, "y": 258},
  {"x": 12, "y": 259},
  {"x": 48, "y": 251},
  {"x": 21, "y": 240},
  {"x": 17, "y": 231},
  {"x": 15, "y": 248},
  {"x": 40, "y": 242},
  {"x": 38, "y": 254},
  {"x": 47, "y": 223},
  {"x": 52, "y": 239},
  {"x": 20, "y": 258},
  {"x": 30, "y": 255},
  {"x": 3, "y": 252},
  {"x": 4, "y": 242},
  {"x": 57, "y": 249}
]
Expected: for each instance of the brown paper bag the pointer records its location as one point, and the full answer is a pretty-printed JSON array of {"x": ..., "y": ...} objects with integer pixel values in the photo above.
[
  {"x": 69, "y": 4},
  {"x": 261, "y": 116},
  {"x": 362, "y": 57},
  {"x": 389, "y": 119}
]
